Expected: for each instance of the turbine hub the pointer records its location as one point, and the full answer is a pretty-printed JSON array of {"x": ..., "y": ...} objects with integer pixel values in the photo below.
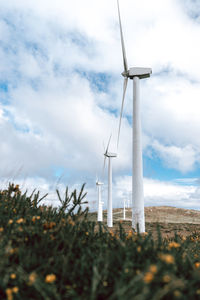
[{"x": 125, "y": 74}]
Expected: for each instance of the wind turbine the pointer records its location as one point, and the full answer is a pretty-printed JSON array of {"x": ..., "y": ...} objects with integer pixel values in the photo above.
[
  {"x": 100, "y": 210},
  {"x": 110, "y": 156},
  {"x": 135, "y": 73},
  {"x": 124, "y": 210}
]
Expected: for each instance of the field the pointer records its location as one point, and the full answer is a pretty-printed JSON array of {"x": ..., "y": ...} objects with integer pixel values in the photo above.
[{"x": 48, "y": 253}]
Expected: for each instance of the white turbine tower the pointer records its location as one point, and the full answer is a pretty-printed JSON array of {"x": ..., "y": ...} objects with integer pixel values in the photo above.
[
  {"x": 110, "y": 156},
  {"x": 124, "y": 210},
  {"x": 100, "y": 204},
  {"x": 137, "y": 166}
]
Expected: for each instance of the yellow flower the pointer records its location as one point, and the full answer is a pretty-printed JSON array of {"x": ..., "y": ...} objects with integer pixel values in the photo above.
[
  {"x": 50, "y": 278},
  {"x": 166, "y": 278},
  {"x": 20, "y": 229},
  {"x": 148, "y": 277},
  {"x": 174, "y": 245},
  {"x": 126, "y": 270},
  {"x": 9, "y": 294},
  {"x": 130, "y": 234},
  {"x": 177, "y": 293},
  {"x": 167, "y": 258},
  {"x": 15, "y": 289},
  {"x": 1, "y": 229},
  {"x": 19, "y": 221},
  {"x": 153, "y": 269},
  {"x": 10, "y": 221},
  {"x": 105, "y": 283},
  {"x": 13, "y": 276},
  {"x": 112, "y": 233},
  {"x": 32, "y": 277},
  {"x": 197, "y": 265},
  {"x": 34, "y": 218},
  {"x": 87, "y": 233},
  {"x": 139, "y": 249},
  {"x": 198, "y": 292},
  {"x": 14, "y": 210}
]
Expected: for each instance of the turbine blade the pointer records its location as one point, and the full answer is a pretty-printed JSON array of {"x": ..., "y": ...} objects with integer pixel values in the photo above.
[
  {"x": 108, "y": 144},
  {"x": 122, "y": 107},
  {"x": 122, "y": 41}
]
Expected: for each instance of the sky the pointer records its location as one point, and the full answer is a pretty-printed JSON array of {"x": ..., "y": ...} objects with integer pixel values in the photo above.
[{"x": 61, "y": 91}]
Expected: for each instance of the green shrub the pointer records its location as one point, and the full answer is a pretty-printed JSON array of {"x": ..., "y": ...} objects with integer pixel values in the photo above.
[{"x": 56, "y": 253}]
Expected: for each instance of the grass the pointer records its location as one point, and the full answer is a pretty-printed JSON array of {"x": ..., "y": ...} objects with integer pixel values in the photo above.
[{"x": 56, "y": 253}]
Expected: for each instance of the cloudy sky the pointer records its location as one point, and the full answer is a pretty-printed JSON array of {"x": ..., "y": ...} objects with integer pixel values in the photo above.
[{"x": 61, "y": 90}]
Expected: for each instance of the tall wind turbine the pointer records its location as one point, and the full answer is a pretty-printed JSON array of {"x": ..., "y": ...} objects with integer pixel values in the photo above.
[
  {"x": 110, "y": 156},
  {"x": 137, "y": 165},
  {"x": 100, "y": 209}
]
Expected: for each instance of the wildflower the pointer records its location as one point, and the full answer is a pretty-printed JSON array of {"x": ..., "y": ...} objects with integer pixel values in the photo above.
[
  {"x": 153, "y": 269},
  {"x": 197, "y": 265},
  {"x": 166, "y": 278},
  {"x": 177, "y": 293},
  {"x": 13, "y": 276},
  {"x": 15, "y": 289},
  {"x": 71, "y": 222},
  {"x": 87, "y": 233},
  {"x": 50, "y": 278},
  {"x": 32, "y": 278},
  {"x": 198, "y": 292},
  {"x": 20, "y": 229},
  {"x": 9, "y": 294},
  {"x": 68, "y": 287},
  {"x": 167, "y": 258},
  {"x": 173, "y": 245},
  {"x": 1, "y": 229},
  {"x": 10, "y": 221},
  {"x": 111, "y": 233},
  {"x": 52, "y": 237},
  {"x": 148, "y": 277},
  {"x": 139, "y": 249},
  {"x": 49, "y": 225},
  {"x": 14, "y": 210},
  {"x": 130, "y": 234},
  {"x": 126, "y": 270},
  {"x": 34, "y": 218},
  {"x": 16, "y": 187},
  {"x": 12, "y": 250},
  {"x": 19, "y": 221},
  {"x": 105, "y": 283}
]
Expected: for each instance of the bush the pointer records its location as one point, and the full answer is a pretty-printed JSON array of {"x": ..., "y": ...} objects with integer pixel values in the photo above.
[{"x": 56, "y": 253}]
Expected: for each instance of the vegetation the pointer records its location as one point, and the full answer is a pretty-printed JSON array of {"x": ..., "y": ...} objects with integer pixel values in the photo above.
[{"x": 48, "y": 253}]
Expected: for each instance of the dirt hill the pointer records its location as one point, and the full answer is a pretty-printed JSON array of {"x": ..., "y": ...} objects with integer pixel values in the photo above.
[{"x": 170, "y": 219}]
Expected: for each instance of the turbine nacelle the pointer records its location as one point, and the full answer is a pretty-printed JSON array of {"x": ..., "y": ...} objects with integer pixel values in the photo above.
[
  {"x": 140, "y": 72},
  {"x": 99, "y": 183},
  {"x": 137, "y": 72},
  {"x": 109, "y": 154}
]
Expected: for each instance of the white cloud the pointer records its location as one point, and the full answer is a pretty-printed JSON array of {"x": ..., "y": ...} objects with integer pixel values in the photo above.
[{"x": 54, "y": 115}]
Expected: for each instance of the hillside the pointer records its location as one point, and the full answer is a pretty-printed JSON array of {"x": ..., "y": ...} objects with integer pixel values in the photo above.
[{"x": 170, "y": 219}]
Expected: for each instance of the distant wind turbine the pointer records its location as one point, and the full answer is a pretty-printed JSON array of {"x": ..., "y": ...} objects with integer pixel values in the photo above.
[
  {"x": 109, "y": 155},
  {"x": 100, "y": 209},
  {"x": 124, "y": 210},
  {"x": 137, "y": 166}
]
